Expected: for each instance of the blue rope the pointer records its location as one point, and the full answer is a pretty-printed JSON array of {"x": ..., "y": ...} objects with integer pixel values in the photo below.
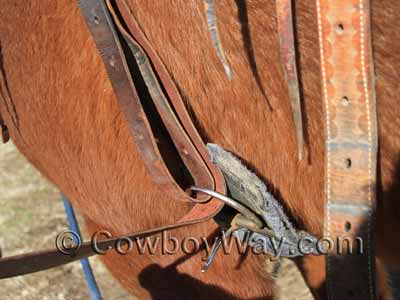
[{"x": 87, "y": 270}]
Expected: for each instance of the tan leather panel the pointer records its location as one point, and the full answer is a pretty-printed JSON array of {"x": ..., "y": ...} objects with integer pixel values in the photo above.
[{"x": 351, "y": 143}]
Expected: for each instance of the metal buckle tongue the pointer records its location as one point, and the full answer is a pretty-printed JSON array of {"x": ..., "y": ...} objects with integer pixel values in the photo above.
[
  {"x": 232, "y": 203},
  {"x": 244, "y": 219}
]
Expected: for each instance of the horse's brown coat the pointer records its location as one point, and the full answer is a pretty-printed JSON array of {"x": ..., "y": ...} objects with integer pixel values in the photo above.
[{"x": 62, "y": 114}]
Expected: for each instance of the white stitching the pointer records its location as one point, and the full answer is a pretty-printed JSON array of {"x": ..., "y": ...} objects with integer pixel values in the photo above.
[
  {"x": 328, "y": 133},
  {"x": 365, "y": 84}
]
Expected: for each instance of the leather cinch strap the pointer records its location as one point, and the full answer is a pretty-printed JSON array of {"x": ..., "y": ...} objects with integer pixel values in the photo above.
[{"x": 351, "y": 145}]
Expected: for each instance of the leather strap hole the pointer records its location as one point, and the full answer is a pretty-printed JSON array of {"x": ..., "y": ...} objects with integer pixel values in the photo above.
[
  {"x": 96, "y": 19},
  {"x": 348, "y": 163},
  {"x": 340, "y": 28},
  {"x": 347, "y": 226},
  {"x": 345, "y": 101}
]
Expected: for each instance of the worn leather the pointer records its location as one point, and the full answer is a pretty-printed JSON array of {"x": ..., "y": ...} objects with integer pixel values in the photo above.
[
  {"x": 103, "y": 22},
  {"x": 351, "y": 144},
  {"x": 285, "y": 20}
]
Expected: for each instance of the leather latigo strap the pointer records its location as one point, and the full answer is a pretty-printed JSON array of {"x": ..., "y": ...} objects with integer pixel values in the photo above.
[
  {"x": 351, "y": 144},
  {"x": 117, "y": 45},
  {"x": 104, "y": 23},
  {"x": 42, "y": 260},
  {"x": 174, "y": 116},
  {"x": 284, "y": 12}
]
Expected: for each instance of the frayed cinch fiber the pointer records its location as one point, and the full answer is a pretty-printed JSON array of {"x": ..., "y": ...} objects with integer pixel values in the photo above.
[{"x": 245, "y": 187}]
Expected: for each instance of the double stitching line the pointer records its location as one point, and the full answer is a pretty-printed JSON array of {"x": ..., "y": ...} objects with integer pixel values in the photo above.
[
  {"x": 367, "y": 104},
  {"x": 328, "y": 135}
]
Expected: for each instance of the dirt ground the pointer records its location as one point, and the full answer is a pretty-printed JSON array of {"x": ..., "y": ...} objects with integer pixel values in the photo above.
[{"x": 31, "y": 215}]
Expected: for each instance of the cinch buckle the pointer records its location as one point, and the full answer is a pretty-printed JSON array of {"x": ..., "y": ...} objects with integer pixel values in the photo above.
[{"x": 244, "y": 219}]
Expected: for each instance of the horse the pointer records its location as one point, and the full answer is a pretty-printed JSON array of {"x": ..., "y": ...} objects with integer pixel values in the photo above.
[{"x": 62, "y": 114}]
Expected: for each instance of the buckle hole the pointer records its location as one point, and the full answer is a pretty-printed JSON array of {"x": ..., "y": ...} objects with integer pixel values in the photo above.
[
  {"x": 348, "y": 163},
  {"x": 340, "y": 28},
  {"x": 347, "y": 226}
]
